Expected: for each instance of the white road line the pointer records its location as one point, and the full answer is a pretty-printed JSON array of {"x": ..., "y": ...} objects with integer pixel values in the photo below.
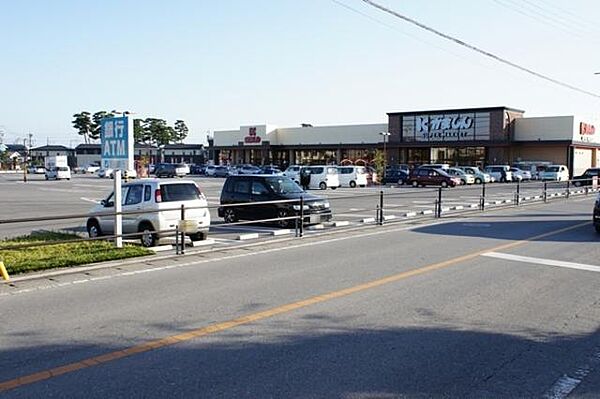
[
  {"x": 567, "y": 383},
  {"x": 89, "y": 200},
  {"x": 541, "y": 261}
]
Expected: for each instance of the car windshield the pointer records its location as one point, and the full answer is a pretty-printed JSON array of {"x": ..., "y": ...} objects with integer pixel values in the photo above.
[
  {"x": 283, "y": 185},
  {"x": 553, "y": 169}
]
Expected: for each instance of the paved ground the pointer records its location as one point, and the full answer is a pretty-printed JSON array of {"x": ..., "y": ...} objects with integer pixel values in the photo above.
[
  {"x": 38, "y": 198},
  {"x": 498, "y": 305}
]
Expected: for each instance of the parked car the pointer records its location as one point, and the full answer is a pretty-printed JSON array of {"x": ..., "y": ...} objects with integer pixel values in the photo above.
[
  {"x": 104, "y": 173},
  {"x": 171, "y": 170},
  {"x": 91, "y": 169},
  {"x": 197, "y": 169},
  {"x": 442, "y": 166},
  {"x": 210, "y": 170},
  {"x": 322, "y": 176},
  {"x": 270, "y": 170},
  {"x": 247, "y": 170},
  {"x": 293, "y": 172},
  {"x": 352, "y": 176},
  {"x": 58, "y": 173},
  {"x": 243, "y": 189},
  {"x": 222, "y": 171},
  {"x": 587, "y": 178},
  {"x": 499, "y": 173},
  {"x": 150, "y": 199},
  {"x": 480, "y": 177},
  {"x": 125, "y": 174},
  {"x": 520, "y": 175},
  {"x": 432, "y": 177},
  {"x": 37, "y": 170},
  {"x": 555, "y": 173},
  {"x": 533, "y": 167},
  {"x": 392, "y": 168},
  {"x": 596, "y": 214},
  {"x": 396, "y": 176},
  {"x": 464, "y": 177}
]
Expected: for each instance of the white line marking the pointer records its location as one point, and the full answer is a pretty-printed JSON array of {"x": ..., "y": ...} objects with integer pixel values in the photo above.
[
  {"x": 89, "y": 200},
  {"x": 567, "y": 383},
  {"x": 540, "y": 261}
]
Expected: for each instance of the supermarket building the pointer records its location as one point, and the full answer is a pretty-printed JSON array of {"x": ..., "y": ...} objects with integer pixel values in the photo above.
[{"x": 467, "y": 136}]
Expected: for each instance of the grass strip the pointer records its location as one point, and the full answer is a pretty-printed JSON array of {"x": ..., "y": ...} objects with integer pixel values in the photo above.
[{"x": 61, "y": 255}]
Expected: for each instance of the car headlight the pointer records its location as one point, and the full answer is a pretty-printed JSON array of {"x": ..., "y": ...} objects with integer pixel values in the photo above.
[
  {"x": 326, "y": 204},
  {"x": 297, "y": 207}
]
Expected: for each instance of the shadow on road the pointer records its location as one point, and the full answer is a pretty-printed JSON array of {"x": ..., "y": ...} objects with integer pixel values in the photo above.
[{"x": 320, "y": 363}]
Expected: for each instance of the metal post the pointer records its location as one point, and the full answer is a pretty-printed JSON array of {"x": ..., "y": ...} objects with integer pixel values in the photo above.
[
  {"x": 296, "y": 226},
  {"x": 177, "y": 240},
  {"x": 381, "y": 208},
  {"x": 439, "y": 203},
  {"x": 182, "y": 230},
  {"x": 545, "y": 192},
  {"x": 118, "y": 209},
  {"x": 568, "y": 188},
  {"x": 301, "y": 216},
  {"x": 518, "y": 196}
]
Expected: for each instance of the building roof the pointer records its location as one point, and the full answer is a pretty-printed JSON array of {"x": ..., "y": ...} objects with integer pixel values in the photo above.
[
  {"x": 456, "y": 110},
  {"x": 183, "y": 146},
  {"x": 15, "y": 147},
  {"x": 87, "y": 146},
  {"x": 52, "y": 148}
]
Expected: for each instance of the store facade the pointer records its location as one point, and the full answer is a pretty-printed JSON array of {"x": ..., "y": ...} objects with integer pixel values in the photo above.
[{"x": 464, "y": 136}]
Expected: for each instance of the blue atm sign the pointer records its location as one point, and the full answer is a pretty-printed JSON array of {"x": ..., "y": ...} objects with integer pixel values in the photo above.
[{"x": 114, "y": 137}]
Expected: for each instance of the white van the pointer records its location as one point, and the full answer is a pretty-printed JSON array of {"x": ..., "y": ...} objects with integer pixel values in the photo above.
[
  {"x": 555, "y": 173},
  {"x": 352, "y": 176},
  {"x": 293, "y": 172},
  {"x": 323, "y": 177},
  {"x": 58, "y": 173}
]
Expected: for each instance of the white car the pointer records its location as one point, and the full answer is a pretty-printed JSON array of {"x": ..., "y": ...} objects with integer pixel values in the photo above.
[
  {"x": 499, "y": 173},
  {"x": 104, "y": 173},
  {"x": 125, "y": 174},
  {"x": 352, "y": 176},
  {"x": 38, "y": 170},
  {"x": 153, "y": 197},
  {"x": 91, "y": 169},
  {"x": 555, "y": 173},
  {"x": 210, "y": 170},
  {"x": 293, "y": 172},
  {"x": 58, "y": 173},
  {"x": 465, "y": 178},
  {"x": 322, "y": 176}
]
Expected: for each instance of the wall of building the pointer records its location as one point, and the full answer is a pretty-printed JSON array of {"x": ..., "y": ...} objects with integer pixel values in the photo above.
[
  {"x": 548, "y": 128},
  {"x": 332, "y": 135},
  {"x": 582, "y": 159},
  {"x": 554, "y": 153}
]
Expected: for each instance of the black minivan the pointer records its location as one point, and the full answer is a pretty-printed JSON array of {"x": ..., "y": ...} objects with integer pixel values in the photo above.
[{"x": 243, "y": 189}]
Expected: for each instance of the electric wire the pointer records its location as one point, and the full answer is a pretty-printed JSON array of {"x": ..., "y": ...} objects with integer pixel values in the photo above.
[{"x": 479, "y": 50}]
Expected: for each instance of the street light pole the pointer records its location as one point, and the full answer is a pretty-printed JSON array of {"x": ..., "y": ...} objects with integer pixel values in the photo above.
[{"x": 385, "y": 136}]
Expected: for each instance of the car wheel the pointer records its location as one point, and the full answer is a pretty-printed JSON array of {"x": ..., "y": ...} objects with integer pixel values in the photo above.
[
  {"x": 93, "y": 229},
  {"x": 323, "y": 185},
  {"x": 401, "y": 182},
  {"x": 463, "y": 182},
  {"x": 415, "y": 183},
  {"x": 352, "y": 184},
  {"x": 577, "y": 184},
  {"x": 283, "y": 213},
  {"x": 147, "y": 238},
  {"x": 444, "y": 184},
  {"x": 229, "y": 215},
  {"x": 478, "y": 181},
  {"x": 198, "y": 236}
]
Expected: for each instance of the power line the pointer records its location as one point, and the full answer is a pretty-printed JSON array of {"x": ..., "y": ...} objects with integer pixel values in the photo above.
[
  {"x": 478, "y": 50},
  {"x": 574, "y": 17}
]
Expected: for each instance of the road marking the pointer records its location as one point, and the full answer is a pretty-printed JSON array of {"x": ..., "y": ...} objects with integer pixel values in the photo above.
[
  {"x": 567, "y": 383},
  {"x": 287, "y": 308},
  {"x": 541, "y": 261},
  {"x": 89, "y": 200}
]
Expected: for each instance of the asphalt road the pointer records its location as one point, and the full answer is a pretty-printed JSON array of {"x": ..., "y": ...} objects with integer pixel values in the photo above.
[
  {"x": 39, "y": 198},
  {"x": 498, "y": 305}
]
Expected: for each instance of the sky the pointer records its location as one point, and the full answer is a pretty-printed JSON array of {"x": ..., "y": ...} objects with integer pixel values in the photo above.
[{"x": 221, "y": 64}]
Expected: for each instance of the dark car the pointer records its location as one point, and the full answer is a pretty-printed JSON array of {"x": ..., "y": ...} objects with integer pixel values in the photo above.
[
  {"x": 396, "y": 176},
  {"x": 244, "y": 189},
  {"x": 197, "y": 169},
  {"x": 170, "y": 170},
  {"x": 587, "y": 178},
  {"x": 432, "y": 177}
]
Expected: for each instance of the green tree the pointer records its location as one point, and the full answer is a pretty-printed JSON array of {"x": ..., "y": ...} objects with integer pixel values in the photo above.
[
  {"x": 379, "y": 163},
  {"x": 158, "y": 131},
  {"x": 181, "y": 131},
  {"x": 82, "y": 122},
  {"x": 97, "y": 123}
]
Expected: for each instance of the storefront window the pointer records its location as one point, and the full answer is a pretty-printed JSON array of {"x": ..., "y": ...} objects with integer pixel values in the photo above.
[
  {"x": 316, "y": 157},
  {"x": 360, "y": 156},
  {"x": 458, "y": 156}
]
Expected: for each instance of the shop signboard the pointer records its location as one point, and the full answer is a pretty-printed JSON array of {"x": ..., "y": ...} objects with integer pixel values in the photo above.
[
  {"x": 116, "y": 142},
  {"x": 587, "y": 132},
  {"x": 446, "y": 127},
  {"x": 252, "y": 137}
]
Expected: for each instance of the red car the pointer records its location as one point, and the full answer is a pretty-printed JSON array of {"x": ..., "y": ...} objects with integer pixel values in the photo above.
[{"x": 432, "y": 177}]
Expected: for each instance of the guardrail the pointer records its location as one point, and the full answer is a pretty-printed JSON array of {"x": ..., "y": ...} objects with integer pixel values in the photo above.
[{"x": 299, "y": 210}]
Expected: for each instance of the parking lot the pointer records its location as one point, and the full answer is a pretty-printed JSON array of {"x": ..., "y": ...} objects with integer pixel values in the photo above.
[{"x": 351, "y": 206}]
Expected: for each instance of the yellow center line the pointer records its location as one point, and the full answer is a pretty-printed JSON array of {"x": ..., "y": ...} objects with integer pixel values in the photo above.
[{"x": 217, "y": 327}]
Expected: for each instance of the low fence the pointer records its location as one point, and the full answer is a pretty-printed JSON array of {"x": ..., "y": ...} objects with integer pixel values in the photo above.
[{"x": 298, "y": 212}]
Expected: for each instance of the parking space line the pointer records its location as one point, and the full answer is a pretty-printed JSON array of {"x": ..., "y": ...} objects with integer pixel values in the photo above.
[{"x": 541, "y": 261}]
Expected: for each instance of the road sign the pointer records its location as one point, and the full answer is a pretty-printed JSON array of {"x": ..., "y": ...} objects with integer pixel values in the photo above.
[{"x": 116, "y": 141}]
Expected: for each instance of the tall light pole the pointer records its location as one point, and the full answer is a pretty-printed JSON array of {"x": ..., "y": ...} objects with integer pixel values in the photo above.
[{"x": 385, "y": 136}]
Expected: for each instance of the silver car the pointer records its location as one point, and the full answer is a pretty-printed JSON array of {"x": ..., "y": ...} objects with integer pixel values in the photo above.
[{"x": 155, "y": 207}]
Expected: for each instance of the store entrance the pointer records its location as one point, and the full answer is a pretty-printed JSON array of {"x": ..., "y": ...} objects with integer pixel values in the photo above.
[{"x": 459, "y": 156}]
